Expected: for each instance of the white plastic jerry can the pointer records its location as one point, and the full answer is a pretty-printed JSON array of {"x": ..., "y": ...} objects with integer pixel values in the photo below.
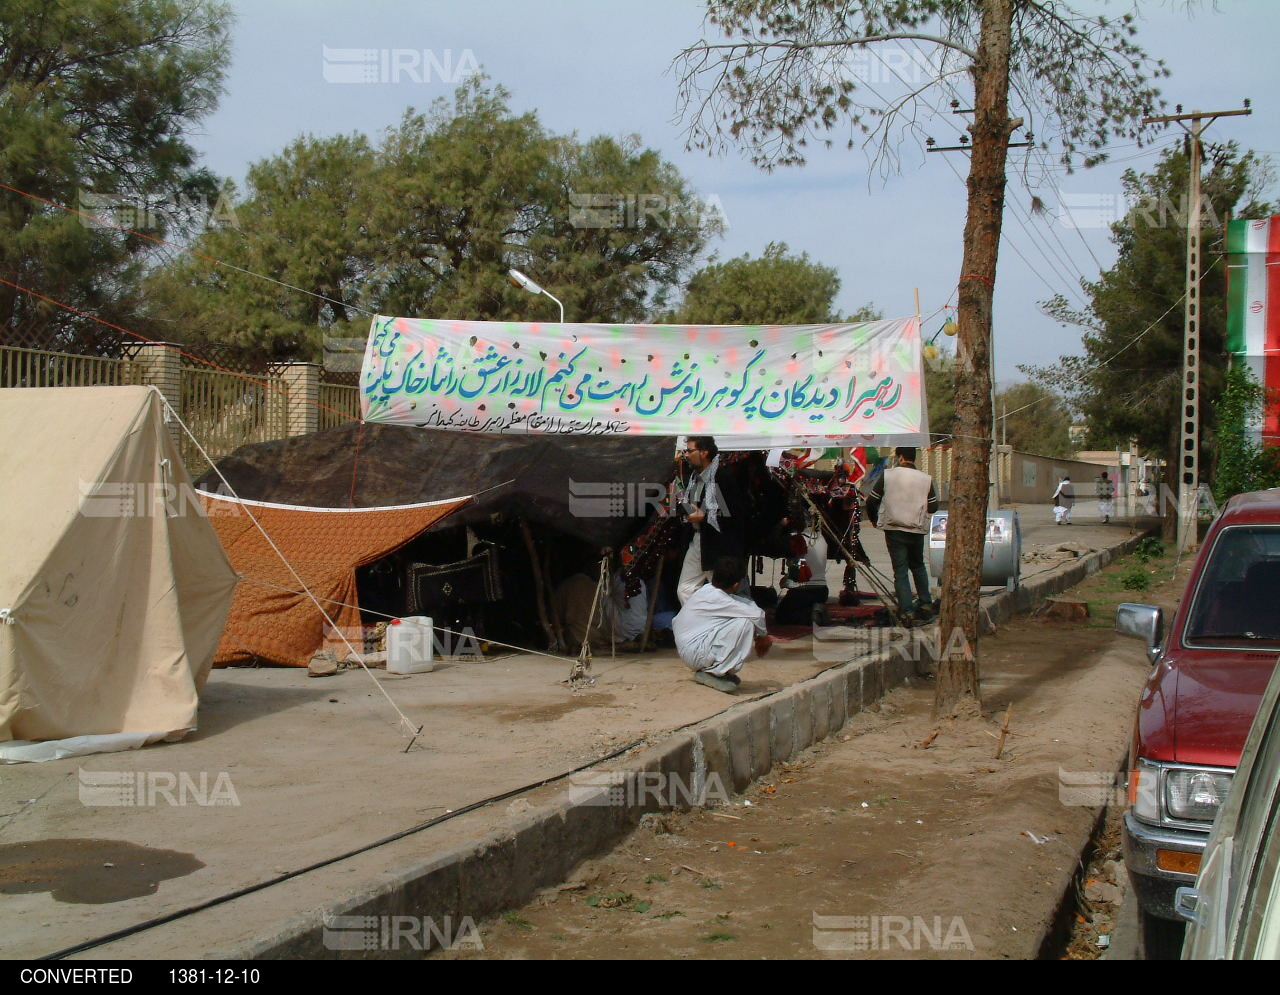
[{"x": 409, "y": 645}]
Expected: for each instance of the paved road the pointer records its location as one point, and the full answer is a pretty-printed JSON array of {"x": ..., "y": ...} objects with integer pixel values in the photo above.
[{"x": 1038, "y": 529}]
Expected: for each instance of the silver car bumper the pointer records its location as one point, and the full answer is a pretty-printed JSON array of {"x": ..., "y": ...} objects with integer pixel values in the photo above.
[{"x": 1155, "y": 887}]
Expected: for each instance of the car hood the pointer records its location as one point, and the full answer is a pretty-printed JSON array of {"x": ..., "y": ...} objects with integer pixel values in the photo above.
[{"x": 1199, "y": 711}]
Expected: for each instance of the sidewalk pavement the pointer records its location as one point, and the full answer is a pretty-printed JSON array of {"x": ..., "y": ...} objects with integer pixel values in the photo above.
[{"x": 287, "y": 774}]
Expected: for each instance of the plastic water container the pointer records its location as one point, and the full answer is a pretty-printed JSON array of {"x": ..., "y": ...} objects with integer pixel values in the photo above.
[{"x": 409, "y": 646}]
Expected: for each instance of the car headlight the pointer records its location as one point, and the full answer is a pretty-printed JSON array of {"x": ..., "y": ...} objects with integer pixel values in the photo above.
[
  {"x": 1195, "y": 795},
  {"x": 1170, "y": 793}
]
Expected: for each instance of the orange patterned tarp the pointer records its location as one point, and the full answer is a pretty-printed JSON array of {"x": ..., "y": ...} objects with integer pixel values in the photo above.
[{"x": 325, "y": 546}]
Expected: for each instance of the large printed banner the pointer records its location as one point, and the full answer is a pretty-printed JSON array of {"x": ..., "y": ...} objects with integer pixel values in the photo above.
[
  {"x": 777, "y": 382},
  {"x": 1253, "y": 306}
]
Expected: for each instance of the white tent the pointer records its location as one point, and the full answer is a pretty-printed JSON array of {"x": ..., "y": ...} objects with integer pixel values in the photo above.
[{"x": 113, "y": 585}]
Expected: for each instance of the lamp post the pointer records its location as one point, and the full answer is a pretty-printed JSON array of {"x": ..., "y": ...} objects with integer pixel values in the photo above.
[{"x": 524, "y": 283}]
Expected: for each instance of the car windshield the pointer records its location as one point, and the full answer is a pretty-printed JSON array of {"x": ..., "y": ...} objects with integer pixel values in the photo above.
[{"x": 1239, "y": 594}]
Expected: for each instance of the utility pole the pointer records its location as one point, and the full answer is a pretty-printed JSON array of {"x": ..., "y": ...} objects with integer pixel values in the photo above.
[{"x": 1188, "y": 457}]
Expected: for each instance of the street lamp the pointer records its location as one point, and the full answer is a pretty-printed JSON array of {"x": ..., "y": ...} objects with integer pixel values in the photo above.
[{"x": 524, "y": 283}]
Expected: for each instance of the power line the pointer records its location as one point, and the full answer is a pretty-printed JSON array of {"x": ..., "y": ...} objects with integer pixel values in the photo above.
[
  {"x": 1123, "y": 348},
  {"x": 1004, "y": 235}
]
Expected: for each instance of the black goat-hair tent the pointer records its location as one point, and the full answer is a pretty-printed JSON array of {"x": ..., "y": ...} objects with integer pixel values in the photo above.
[{"x": 526, "y": 476}]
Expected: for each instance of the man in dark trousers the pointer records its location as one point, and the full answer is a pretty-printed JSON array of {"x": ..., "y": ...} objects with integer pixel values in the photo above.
[
  {"x": 900, "y": 504},
  {"x": 716, "y": 509}
]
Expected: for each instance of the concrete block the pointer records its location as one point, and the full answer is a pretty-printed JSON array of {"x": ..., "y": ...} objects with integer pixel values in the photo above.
[
  {"x": 486, "y": 886},
  {"x": 541, "y": 854},
  {"x": 803, "y": 716},
  {"x": 761, "y": 754},
  {"x": 900, "y": 664},
  {"x": 853, "y": 687},
  {"x": 715, "y": 751},
  {"x": 821, "y": 694},
  {"x": 739, "y": 737},
  {"x": 650, "y": 760},
  {"x": 838, "y": 687},
  {"x": 873, "y": 680},
  {"x": 588, "y": 828},
  {"x": 781, "y": 727},
  {"x": 677, "y": 762},
  {"x": 434, "y": 886}
]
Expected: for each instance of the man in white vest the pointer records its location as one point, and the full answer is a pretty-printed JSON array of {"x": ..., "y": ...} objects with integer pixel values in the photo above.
[{"x": 900, "y": 504}]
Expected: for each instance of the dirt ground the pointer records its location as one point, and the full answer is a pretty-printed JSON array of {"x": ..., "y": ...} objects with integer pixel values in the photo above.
[{"x": 921, "y": 847}]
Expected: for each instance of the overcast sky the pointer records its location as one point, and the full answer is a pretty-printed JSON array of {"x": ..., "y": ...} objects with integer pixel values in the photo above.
[{"x": 602, "y": 67}]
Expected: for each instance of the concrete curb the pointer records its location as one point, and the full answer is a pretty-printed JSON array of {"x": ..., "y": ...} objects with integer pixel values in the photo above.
[
  {"x": 1028, "y": 596},
  {"x": 541, "y": 847}
]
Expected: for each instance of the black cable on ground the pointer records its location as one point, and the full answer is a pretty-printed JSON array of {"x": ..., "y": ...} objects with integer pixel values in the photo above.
[{"x": 222, "y": 899}]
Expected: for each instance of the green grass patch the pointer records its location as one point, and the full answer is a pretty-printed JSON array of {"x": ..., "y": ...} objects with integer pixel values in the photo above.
[
  {"x": 1149, "y": 548},
  {"x": 656, "y": 878},
  {"x": 708, "y": 883},
  {"x": 1135, "y": 577},
  {"x": 718, "y": 938},
  {"x": 517, "y": 920}
]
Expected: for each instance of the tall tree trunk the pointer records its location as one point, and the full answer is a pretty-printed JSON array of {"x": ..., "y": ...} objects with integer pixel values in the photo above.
[{"x": 958, "y": 661}]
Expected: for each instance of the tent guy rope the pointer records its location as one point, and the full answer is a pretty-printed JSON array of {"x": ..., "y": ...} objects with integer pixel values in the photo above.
[{"x": 415, "y": 731}]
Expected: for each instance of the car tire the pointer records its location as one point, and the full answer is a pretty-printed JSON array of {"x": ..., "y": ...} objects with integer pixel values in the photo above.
[{"x": 1161, "y": 938}]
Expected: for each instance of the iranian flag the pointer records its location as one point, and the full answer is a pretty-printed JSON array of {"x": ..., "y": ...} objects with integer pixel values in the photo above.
[{"x": 1253, "y": 306}]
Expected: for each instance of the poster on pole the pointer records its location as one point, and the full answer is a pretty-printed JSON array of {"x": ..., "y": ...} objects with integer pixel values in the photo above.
[{"x": 761, "y": 382}]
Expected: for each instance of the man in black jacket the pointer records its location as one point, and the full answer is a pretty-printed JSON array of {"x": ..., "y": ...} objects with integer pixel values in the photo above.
[{"x": 716, "y": 508}]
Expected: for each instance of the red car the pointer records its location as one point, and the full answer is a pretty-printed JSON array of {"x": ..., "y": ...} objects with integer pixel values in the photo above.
[{"x": 1210, "y": 670}]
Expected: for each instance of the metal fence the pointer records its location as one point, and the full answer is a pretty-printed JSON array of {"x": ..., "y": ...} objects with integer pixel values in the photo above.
[
  {"x": 339, "y": 405},
  {"x": 37, "y": 368},
  {"x": 227, "y": 410},
  {"x": 223, "y": 409}
]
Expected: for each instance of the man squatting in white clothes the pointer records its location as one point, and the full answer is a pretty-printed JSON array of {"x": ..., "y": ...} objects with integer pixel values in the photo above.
[{"x": 717, "y": 629}]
